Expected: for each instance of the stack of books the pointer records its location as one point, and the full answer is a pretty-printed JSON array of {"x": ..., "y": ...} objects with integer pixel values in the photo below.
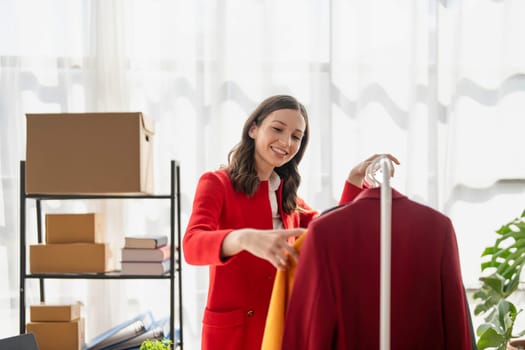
[{"x": 146, "y": 255}]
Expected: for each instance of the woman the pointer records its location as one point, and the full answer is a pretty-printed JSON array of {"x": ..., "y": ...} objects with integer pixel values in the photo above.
[{"x": 245, "y": 217}]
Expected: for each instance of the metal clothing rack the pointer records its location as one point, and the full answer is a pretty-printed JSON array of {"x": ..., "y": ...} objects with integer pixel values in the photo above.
[{"x": 385, "y": 165}]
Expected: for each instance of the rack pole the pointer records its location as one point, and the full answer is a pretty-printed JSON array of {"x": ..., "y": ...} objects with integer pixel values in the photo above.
[
  {"x": 176, "y": 232},
  {"x": 40, "y": 240},
  {"x": 22, "y": 272},
  {"x": 173, "y": 257},
  {"x": 179, "y": 258},
  {"x": 385, "y": 261}
]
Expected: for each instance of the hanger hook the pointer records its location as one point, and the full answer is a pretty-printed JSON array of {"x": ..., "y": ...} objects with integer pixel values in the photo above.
[{"x": 371, "y": 179}]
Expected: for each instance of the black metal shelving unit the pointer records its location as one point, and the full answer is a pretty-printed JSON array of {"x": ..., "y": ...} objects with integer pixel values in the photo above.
[{"x": 175, "y": 240}]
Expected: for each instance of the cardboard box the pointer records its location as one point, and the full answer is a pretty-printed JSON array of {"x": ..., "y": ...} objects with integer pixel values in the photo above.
[
  {"x": 57, "y": 313},
  {"x": 69, "y": 257},
  {"x": 89, "y": 153},
  {"x": 58, "y": 335},
  {"x": 74, "y": 228}
]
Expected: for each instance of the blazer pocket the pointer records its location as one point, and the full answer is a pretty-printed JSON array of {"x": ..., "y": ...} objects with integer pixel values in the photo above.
[{"x": 223, "y": 330}]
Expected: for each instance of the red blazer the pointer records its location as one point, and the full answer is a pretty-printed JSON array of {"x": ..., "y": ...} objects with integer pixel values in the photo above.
[
  {"x": 240, "y": 287},
  {"x": 335, "y": 299}
]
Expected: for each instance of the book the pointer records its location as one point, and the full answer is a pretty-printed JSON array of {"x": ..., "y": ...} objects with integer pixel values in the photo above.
[
  {"x": 146, "y": 254},
  {"x": 121, "y": 332},
  {"x": 145, "y": 268},
  {"x": 145, "y": 241}
]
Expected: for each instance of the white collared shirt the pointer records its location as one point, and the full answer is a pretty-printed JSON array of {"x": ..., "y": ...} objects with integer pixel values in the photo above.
[{"x": 273, "y": 185}]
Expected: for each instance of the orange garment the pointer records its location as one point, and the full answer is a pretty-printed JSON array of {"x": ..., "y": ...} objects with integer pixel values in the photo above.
[{"x": 282, "y": 289}]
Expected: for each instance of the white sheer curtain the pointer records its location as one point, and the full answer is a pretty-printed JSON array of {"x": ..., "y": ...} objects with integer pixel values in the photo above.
[{"x": 438, "y": 83}]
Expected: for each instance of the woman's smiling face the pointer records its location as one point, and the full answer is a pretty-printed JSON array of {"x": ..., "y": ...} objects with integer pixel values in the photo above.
[{"x": 277, "y": 140}]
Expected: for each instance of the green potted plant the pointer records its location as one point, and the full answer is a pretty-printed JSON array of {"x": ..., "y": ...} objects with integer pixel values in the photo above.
[
  {"x": 154, "y": 344},
  {"x": 501, "y": 269}
]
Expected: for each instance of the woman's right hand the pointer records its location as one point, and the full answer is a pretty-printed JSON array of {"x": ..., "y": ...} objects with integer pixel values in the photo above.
[{"x": 271, "y": 245}]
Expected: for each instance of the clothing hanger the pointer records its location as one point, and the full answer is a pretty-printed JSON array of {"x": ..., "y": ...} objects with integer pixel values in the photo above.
[
  {"x": 373, "y": 180},
  {"x": 384, "y": 165}
]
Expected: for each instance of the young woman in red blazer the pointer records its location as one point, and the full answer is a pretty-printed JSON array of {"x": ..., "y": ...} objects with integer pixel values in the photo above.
[{"x": 244, "y": 218}]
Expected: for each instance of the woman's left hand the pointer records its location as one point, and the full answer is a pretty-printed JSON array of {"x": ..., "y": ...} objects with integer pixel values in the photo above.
[{"x": 357, "y": 174}]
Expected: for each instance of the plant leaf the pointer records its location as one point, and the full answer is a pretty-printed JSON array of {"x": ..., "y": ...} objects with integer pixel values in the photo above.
[
  {"x": 502, "y": 266},
  {"x": 490, "y": 338},
  {"x": 494, "y": 282}
]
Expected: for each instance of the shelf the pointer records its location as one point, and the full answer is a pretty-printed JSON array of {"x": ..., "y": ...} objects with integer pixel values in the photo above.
[
  {"x": 103, "y": 276},
  {"x": 175, "y": 241},
  {"x": 96, "y": 196}
]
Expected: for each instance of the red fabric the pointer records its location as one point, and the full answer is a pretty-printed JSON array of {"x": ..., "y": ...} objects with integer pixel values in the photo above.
[
  {"x": 240, "y": 287},
  {"x": 335, "y": 298}
]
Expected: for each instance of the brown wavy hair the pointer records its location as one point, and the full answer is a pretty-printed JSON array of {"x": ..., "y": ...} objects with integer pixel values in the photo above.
[{"x": 241, "y": 159}]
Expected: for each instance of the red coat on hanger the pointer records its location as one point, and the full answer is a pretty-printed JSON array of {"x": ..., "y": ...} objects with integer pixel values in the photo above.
[
  {"x": 335, "y": 299},
  {"x": 240, "y": 287}
]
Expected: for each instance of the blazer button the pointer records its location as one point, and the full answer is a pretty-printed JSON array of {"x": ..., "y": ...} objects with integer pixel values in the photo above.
[{"x": 250, "y": 313}]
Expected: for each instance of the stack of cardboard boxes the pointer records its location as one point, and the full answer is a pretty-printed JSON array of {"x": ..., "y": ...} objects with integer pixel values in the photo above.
[
  {"x": 74, "y": 243},
  {"x": 57, "y": 327}
]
